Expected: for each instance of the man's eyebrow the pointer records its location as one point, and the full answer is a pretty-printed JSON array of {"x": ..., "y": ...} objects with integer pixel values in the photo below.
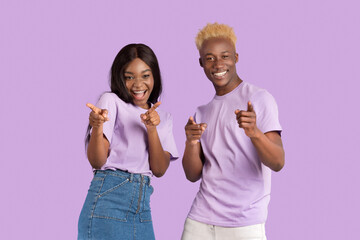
[{"x": 213, "y": 54}]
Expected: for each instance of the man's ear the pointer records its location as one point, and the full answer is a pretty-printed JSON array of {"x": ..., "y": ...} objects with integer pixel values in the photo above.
[
  {"x": 236, "y": 57},
  {"x": 200, "y": 62}
]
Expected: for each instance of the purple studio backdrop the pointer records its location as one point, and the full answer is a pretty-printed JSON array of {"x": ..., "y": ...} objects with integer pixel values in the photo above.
[{"x": 55, "y": 57}]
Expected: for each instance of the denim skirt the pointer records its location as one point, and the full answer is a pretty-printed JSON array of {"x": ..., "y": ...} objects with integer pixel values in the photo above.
[{"x": 117, "y": 206}]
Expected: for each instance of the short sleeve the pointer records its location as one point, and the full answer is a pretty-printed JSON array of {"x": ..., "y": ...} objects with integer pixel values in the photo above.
[
  {"x": 168, "y": 142},
  {"x": 107, "y": 101},
  {"x": 267, "y": 114}
]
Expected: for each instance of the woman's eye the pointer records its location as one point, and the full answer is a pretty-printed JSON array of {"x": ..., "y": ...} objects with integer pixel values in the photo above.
[
  {"x": 146, "y": 76},
  {"x": 129, "y": 77}
]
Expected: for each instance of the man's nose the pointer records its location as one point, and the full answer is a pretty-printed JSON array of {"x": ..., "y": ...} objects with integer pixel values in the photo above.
[{"x": 218, "y": 63}]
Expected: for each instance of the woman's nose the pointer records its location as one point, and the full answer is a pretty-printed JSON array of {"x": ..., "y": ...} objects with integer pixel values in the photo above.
[{"x": 138, "y": 81}]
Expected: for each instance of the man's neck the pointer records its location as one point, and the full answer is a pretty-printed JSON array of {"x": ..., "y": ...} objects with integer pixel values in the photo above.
[{"x": 229, "y": 87}]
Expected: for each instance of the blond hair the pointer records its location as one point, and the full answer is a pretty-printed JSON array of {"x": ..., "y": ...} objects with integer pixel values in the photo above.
[{"x": 215, "y": 30}]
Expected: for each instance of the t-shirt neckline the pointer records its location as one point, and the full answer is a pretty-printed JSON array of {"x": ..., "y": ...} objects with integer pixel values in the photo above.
[{"x": 217, "y": 97}]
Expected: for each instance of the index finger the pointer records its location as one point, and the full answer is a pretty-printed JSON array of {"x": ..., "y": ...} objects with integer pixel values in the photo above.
[
  {"x": 154, "y": 107},
  {"x": 93, "y": 108},
  {"x": 191, "y": 121},
  {"x": 250, "y": 107}
]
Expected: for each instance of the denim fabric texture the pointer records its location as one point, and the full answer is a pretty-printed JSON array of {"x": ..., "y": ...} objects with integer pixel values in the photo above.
[{"x": 117, "y": 206}]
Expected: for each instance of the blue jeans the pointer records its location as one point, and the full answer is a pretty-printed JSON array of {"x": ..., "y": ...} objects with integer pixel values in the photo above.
[{"x": 117, "y": 206}]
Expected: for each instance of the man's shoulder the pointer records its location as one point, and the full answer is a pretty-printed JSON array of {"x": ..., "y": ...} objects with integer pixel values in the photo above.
[
  {"x": 252, "y": 90},
  {"x": 204, "y": 107}
]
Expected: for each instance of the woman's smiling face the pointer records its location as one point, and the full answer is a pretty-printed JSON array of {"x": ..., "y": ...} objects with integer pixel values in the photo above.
[{"x": 139, "y": 82}]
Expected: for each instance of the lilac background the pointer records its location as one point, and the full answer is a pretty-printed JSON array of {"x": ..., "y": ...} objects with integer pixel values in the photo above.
[{"x": 55, "y": 56}]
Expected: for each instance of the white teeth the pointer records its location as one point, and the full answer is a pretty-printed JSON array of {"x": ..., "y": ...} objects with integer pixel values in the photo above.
[
  {"x": 139, "y": 92},
  {"x": 220, "y": 74}
]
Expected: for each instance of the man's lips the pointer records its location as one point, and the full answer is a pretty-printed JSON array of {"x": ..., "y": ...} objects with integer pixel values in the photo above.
[{"x": 219, "y": 74}]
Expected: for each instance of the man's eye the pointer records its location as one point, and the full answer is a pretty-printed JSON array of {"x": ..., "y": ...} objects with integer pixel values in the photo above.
[
  {"x": 225, "y": 57},
  {"x": 209, "y": 59}
]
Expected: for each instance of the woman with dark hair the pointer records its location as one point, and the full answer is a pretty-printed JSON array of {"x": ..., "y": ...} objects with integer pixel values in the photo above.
[{"x": 128, "y": 141}]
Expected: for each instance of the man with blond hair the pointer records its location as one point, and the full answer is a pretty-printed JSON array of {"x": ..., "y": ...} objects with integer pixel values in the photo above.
[{"x": 232, "y": 144}]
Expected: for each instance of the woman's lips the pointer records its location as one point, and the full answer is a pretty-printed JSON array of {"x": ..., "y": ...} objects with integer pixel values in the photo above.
[{"x": 138, "y": 95}]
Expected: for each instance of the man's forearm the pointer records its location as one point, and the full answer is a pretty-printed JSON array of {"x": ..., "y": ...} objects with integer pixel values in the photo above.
[
  {"x": 270, "y": 150},
  {"x": 192, "y": 162}
]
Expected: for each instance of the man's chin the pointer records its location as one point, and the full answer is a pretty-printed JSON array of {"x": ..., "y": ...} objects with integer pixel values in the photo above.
[{"x": 219, "y": 82}]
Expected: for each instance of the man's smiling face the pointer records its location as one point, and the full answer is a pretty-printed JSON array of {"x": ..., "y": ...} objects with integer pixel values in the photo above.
[{"x": 218, "y": 58}]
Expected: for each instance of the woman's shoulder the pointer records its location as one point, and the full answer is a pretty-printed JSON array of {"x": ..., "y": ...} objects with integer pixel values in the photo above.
[
  {"x": 108, "y": 96},
  {"x": 164, "y": 115},
  {"x": 111, "y": 102},
  {"x": 111, "y": 98}
]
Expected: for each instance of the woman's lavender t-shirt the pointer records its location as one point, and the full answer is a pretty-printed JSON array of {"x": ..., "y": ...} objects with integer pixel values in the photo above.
[
  {"x": 235, "y": 185},
  {"x": 128, "y": 136}
]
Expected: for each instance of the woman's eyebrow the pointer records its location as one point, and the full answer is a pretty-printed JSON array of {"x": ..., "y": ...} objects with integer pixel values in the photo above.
[{"x": 146, "y": 70}]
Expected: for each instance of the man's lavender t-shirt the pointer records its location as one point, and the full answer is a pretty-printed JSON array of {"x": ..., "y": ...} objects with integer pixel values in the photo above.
[
  {"x": 128, "y": 136},
  {"x": 235, "y": 185}
]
